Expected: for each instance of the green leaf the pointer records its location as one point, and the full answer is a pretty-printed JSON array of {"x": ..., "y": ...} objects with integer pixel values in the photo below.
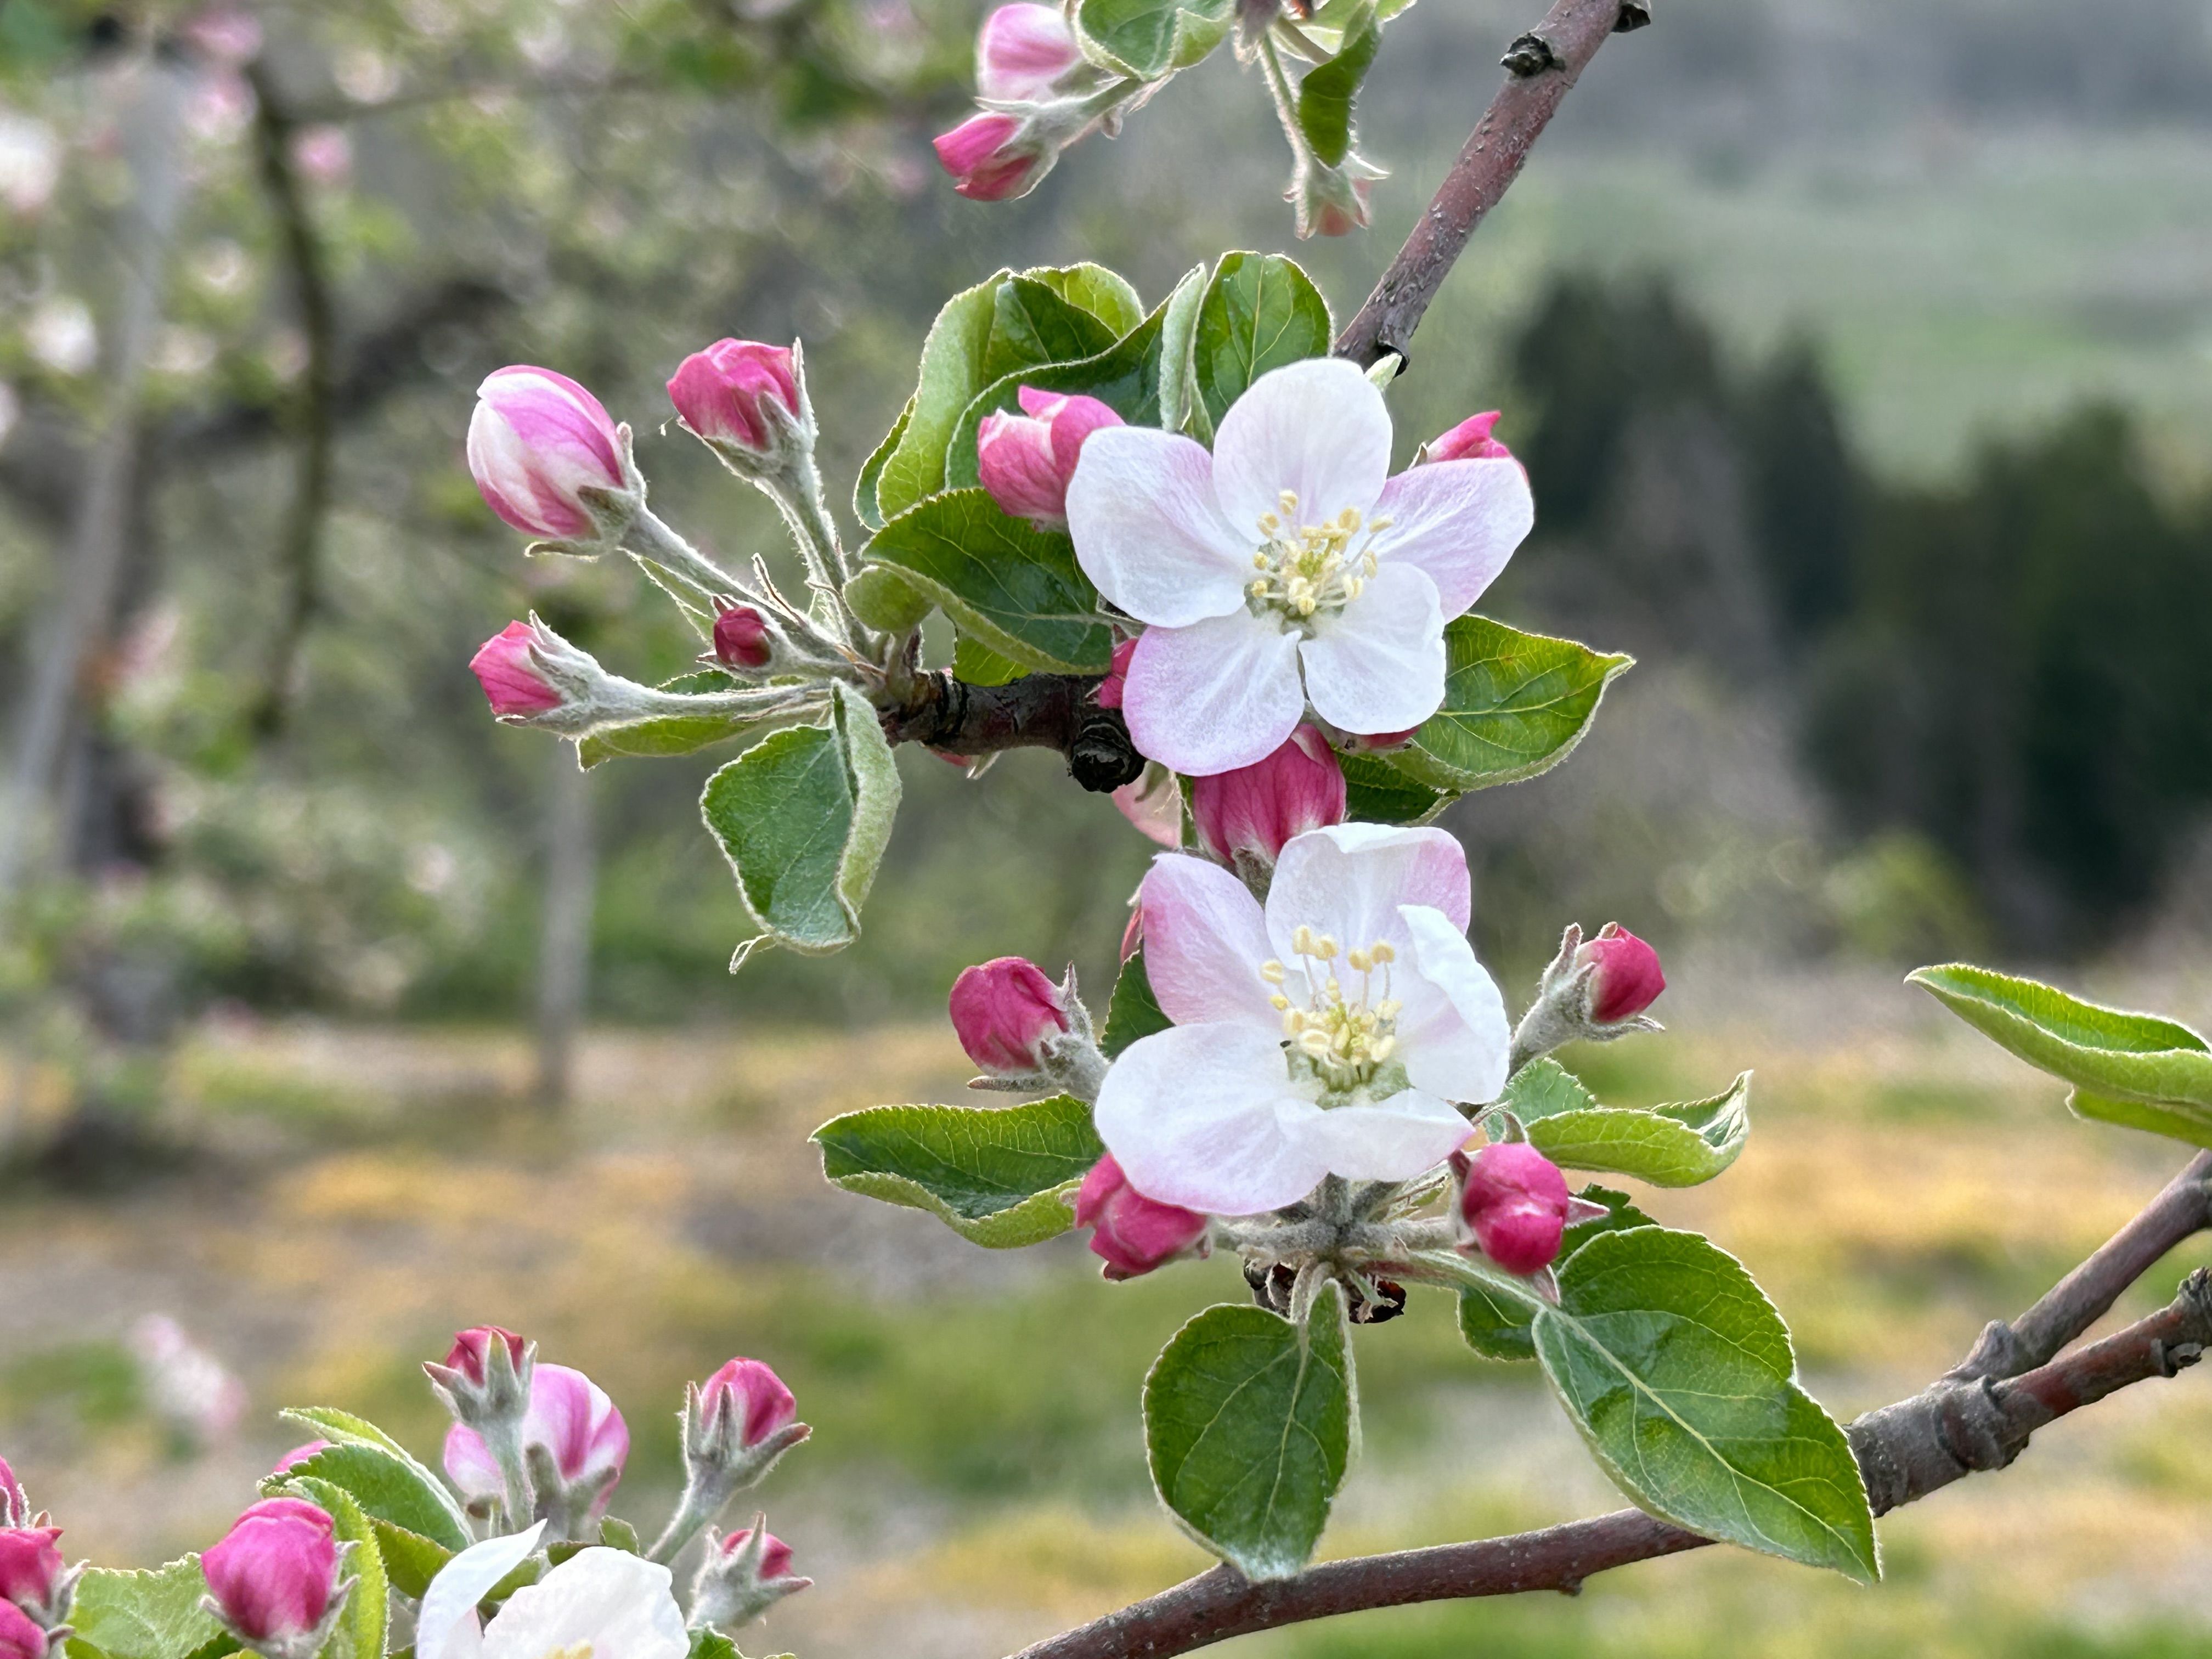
[
  {"x": 1125, "y": 377},
  {"x": 1031, "y": 324},
  {"x": 1515, "y": 705},
  {"x": 1133, "y": 1012},
  {"x": 707, "y": 1642},
  {"x": 1325, "y": 95},
  {"x": 1150, "y": 38},
  {"x": 1261, "y": 312},
  {"x": 411, "y": 1560},
  {"x": 618, "y": 1533},
  {"x": 1496, "y": 1325},
  {"x": 975, "y": 663},
  {"x": 1001, "y": 1176},
  {"x": 345, "y": 1429},
  {"x": 365, "y": 1621},
  {"x": 803, "y": 816},
  {"x": 953, "y": 370},
  {"x": 882, "y": 599},
  {"x": 2136, "y": 1070},
  {"x": 1180, "y": 407},
  {"x": 1249, "y": 1424},
  {"x": 1103, "y": 293},
  {"x": 1679, "y": 1375},
  {"x": 1014, "y": 587},
  {"x": 1543, "y": 1087},
  {"x": 145, "y": 1615},
  {"x": 657, "y": 739},
  {"x": 1375, "y": 791},
  {"x": 1678, "y": 1146},
  {"x": 865, "y": 506},
  {"x": 388, "y": 1488}
]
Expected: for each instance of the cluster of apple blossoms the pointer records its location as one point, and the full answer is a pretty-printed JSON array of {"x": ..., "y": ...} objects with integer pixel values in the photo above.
[{"x": 355, "y": 1548}]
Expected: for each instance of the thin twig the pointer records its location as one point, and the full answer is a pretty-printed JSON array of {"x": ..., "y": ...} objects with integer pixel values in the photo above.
[
  {"x": 1546, "y": 62},
  {"x": 1037, "y": 711}
]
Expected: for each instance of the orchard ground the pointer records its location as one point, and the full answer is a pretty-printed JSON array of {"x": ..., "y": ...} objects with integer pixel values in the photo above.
[{"x": 975, "y": 1479}]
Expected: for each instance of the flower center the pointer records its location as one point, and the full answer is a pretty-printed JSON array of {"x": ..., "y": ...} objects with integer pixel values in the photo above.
[
  {"x": 1306, "y": 570},
  {"x": 581, "y": 1651},
  {"x": 1346, "y": 1034}
]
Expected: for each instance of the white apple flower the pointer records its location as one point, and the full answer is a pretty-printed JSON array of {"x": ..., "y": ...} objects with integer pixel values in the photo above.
[
  {"x": 1325, "y": 1035},
  {"x": 605, "y": 1603},
  {"x": 1286, "y": 566}
]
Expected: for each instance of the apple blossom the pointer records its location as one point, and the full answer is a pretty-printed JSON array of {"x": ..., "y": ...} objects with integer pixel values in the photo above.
[
  {"x": 1004, "y": 1012},
  {"x": 574, "y": 1440},
  {"x": 1513, "y": 1205},
  {"x": 744, "y": 638},
  {"x": 1132, "y": 1234},
  {"x": 1111, "y": 689},
  {"x": 737, "y": 394},
  {"x": 33, "y": 1574},
  {"x": 1286, "y": 566},
  {"x": 1469, "y": 440},
  {"x": 1327, "y": 1034},
  {"x": 1023, "y": 52},
  {"x": 473, "y": 1347},
  {"x": 600, "y": 1601},
  {"x": 742, "y": 1576},
  {"x": 511, "y": 679},
  {"x": 1245, "y": 815},
  {"x": 1025, "y": 460},
  {"x": 1625, "y": 978},
  {"x": 20, "y": 1636},
  {"x": 992, "y": 155},
  {"x": 540, "y": 447},
  {"x": 274, "y": 1577}
]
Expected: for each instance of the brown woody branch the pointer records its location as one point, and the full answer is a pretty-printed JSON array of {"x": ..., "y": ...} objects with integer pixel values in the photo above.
[
  {"x": 1960, "y": 1424},
  {"x": 1058, "y": 711},
  {"x": 1541, "y": 66}
]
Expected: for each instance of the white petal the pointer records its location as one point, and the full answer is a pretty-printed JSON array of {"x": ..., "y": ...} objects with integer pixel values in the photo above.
[
  {"x": 446, "y": 1628},
  {"x": 1378, "y": 664},
  {"x": 1206, "y": 1116},
  {"x": 1205, "y": 939},
  {"x": 608, "y": 1602},
  {"x": 1318, "y": 427},
  {"x": 1147, "y": 528},
  {"x": 1219, "y": 694},
  {"x": 1453, "y": 1034},
  {"x": 1458, "y": 520},
  {"x": 1396, "y": 1141},
  {"x": 1352, "y": 882}
]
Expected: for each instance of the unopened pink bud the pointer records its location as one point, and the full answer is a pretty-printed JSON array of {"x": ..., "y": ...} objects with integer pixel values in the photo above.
[
  {"x": 274, "y": 1571},
  {"x": 536, "y": 440},
  {"x": 1627, "y": 979},
  {"x": 1514, "y": 1200},
  {"x": 31, "y": 1567},
  {"x": 1004, "y": 1012},
  {"x": 725, "y": 393},
  {"x": 776, "y": 1554},
  {"x": 1108, "y": 694},
  {"x": 571, "y": 1419},
  {"x": 985, "y": 161},
  {"x": 1132, "y": 1234},
  {"x": 1021, "y": 52},
  {"x": 743, "y": 639},
  {"x": 1256, "y": 809},
  {"x": 298, "y": 1455},
  {"x": 473, "y": 1346},
  {"x": 1025, "y": 460},
  {"x": 20, "y": 1636},
  {"x": 512, "y": 681},
  {"x": 756, "y": 1393},
  {"x": 1470, "y": 441}
]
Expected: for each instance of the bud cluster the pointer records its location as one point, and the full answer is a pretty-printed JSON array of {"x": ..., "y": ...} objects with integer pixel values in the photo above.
[
  {"x": 1039, "y": 95},
  {"x": 37, "y": 1586}
]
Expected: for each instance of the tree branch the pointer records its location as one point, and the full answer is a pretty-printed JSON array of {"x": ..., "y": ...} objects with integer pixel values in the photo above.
[
  {"x": 1965, "y": 1422},
  {"x": 1541, "y": 65},
  {"x": 1038, "y": 711}
]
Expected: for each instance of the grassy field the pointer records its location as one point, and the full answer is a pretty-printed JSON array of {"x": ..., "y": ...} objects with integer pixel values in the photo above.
[{"x": 976, "y": 1479}]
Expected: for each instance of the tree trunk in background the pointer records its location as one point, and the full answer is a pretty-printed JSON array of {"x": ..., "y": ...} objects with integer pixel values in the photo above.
[
  {"x": 153, "y": 126},
  {"x": 564, "y": 951}
]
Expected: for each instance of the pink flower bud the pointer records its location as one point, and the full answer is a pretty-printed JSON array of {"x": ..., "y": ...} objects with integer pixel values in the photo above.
[
  {"x": 1108, "y": 694},
  {"x": 1256, "y": 809},
  {"x": 756, "y": 1393},
  {"x": 1470, "y": 441},
  {"x": 503, "y": 666},
  {"x": 20, "y": 1636},
  {"x": 472, "y": 1345},
  {"x": 1002, "y": 1011},
  {"x": 1514, "y": 1200},
  {"x": 32, "y": 1570},
  {"x": 776, "y": 1554},
  {"x": 1626, "y": 979},
  {"x": 986, "y": 162},
  {"x": 274, "y": 1571},
  {"x": 1026, "y": 459},
  {"x": 1021, "y": 52},
  {"x": 1132, "y": 1234},
  {"x": 298, "y": 1455},
  {"x": 536, "y": 441},
  {"x": 571, "y": 1418},
  {"x": 725, "y": 392},
  {"x": 743, "y": 640}
]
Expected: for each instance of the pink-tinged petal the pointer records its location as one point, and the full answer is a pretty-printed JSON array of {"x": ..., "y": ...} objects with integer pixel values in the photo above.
[
  {"x": 545, "y": 406},
  {"x": 1352, "y": 881},
  {"x": 1221, "y": 693},
  {"x": 1021, "y": 51},
  {"x": 1409, "y": 1132},
  {"x": 446, "y": 1628},
  {"x": 470, "y": 1465},
  {"x": 513, "y": 485},
  {"x": 1154, "y": 804},
  {"x": 1205, "y": 939},
  {"x": 1205, "y": 1117},
  {"x": 1458, "y": 520},
  {"x": 1318, "y": 427},
  {"x": 602, "y": 1602},
  {"x": 1148, "y": 532},
  {"x": 1378, "y": 664},
  {"x": 1453, "y": 1035}
]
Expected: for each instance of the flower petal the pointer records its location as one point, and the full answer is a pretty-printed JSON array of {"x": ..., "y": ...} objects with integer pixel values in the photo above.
[
  {"x": 1378, "y": 664},
  {"x": 1453, "y": 1034},
  {"x": 1206, "y": 1116},
  {"x": 446, "y": 1628},
  {"x": 1205, "y": 939},
  {"x": 1458, "y": 520},
  {"x": 1218, "y": 695},
  {"x": 1352, "y": 882},
  {"x": 1318, "y": 427},
  {"x": 1396, "y": 1141},
  {"x": 1148, "y": 532},
  {"x": 600, "y": 1601}
]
